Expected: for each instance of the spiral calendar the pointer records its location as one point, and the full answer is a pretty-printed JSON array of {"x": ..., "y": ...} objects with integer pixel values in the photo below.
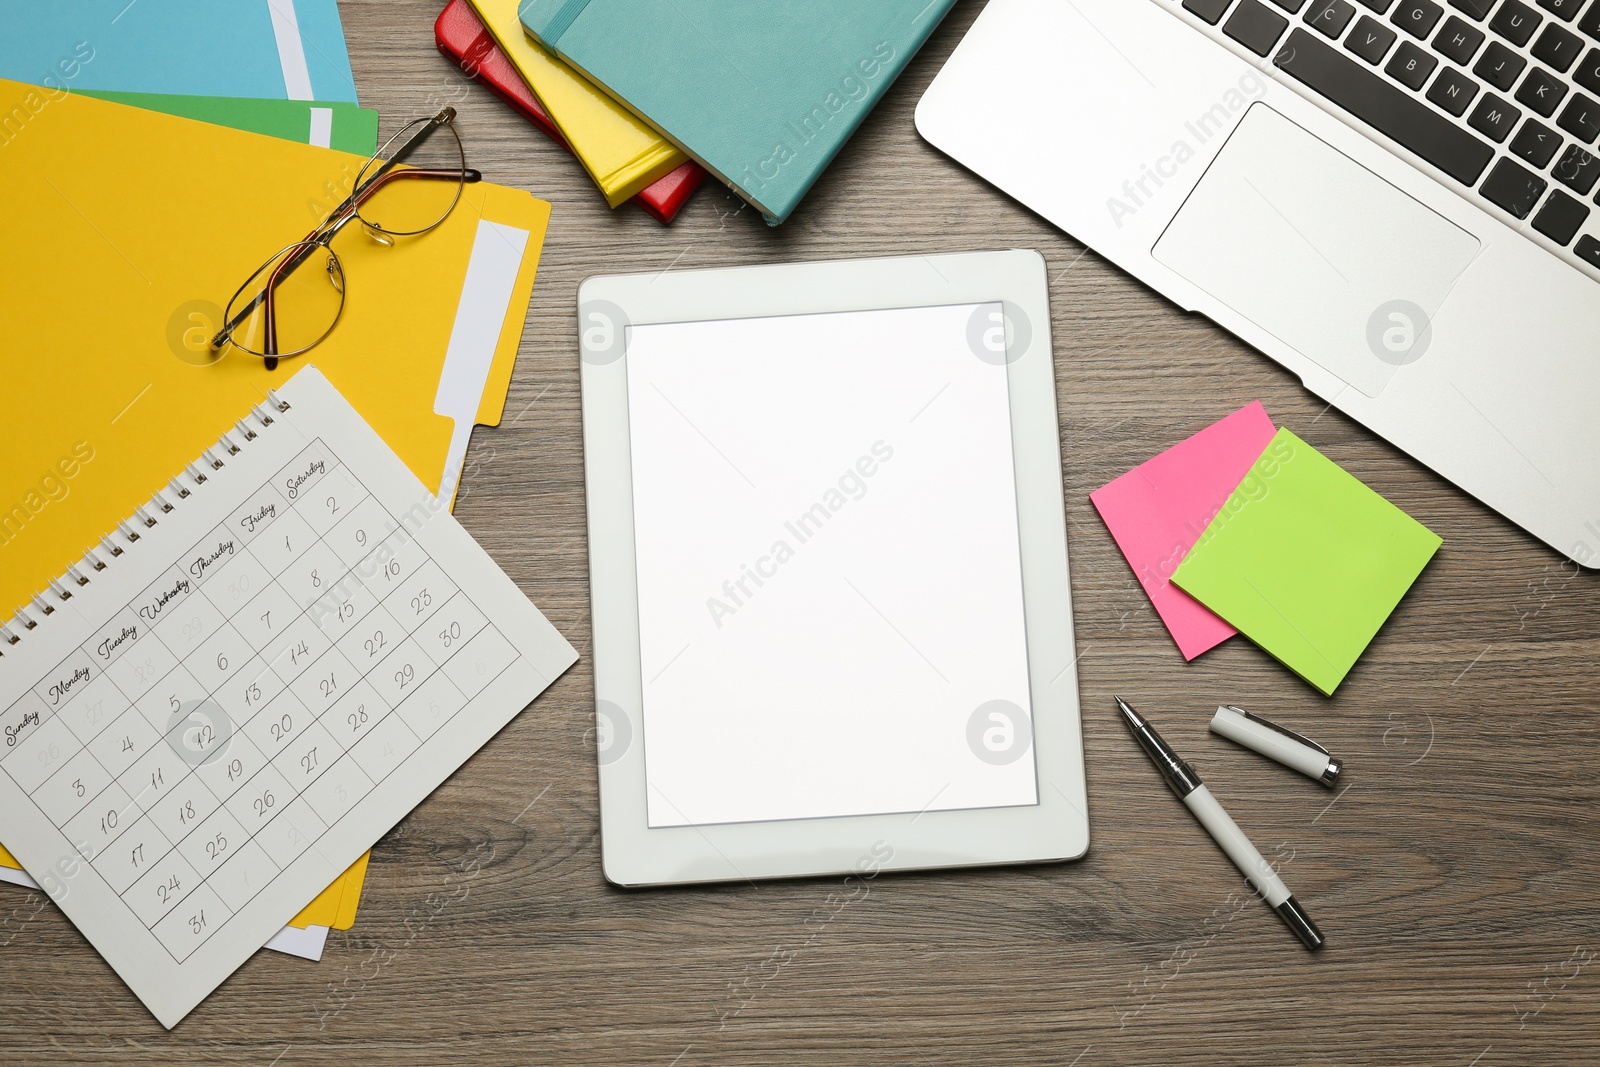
[{"x": 245, "y": 685}]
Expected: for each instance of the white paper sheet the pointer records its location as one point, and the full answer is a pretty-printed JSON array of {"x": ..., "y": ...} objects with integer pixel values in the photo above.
[
  {"x": 307, "y": 944},
  {"x": 15, "y": 877}
]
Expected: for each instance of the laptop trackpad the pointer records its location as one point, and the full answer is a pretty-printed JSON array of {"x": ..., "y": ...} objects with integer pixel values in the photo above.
[{"x": 1315, "y": 248}]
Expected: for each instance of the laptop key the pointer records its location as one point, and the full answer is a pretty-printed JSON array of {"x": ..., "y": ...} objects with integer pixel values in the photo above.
[
  {"x": 1590, "y": 23},
  {"x": 1560, "y": 218},
  {"x": 1536, "y": 143},
  {"x": 1410, "y": 66},
  {"x": 1494, "y": 118},
  {"x": 1588, "y": 250},
  {"x": 1577, "y": 170},
  {"x": 1542, "y": 92},
  {"x": 1562, "y": 9},
  {"x": 1453, "y": 91},
  {"x": 1291, "y": 6},
  {"x": 1516, "y": 21},
  {"x": 1588, "y": 72},
  {"x": 1370, "y": 39},
  {"x": 1581, "y": 118},
  {"x": 1513, "y": 188},
  {"x": 1417, "y": 17},
  {"x": 1458, "y": 41},
  {"x": 1330, "y": 17},
  {"x": 1255, "y": 26},
  {"x": 1210, "y": 11},
  {"x": 1385, "y": 108},
  {"x": 1558, "y": 47},
  {"x": 1476, "y": 9},
  {"x": 1499, "y": 66},
  {"x": 1380, "y": 6}
]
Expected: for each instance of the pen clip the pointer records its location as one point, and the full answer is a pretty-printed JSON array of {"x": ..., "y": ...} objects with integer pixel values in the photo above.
[{"x": 1284, "y": 730}]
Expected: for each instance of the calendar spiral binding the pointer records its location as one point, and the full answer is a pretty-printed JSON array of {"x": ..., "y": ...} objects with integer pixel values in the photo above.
[{"x": 97, "y": 557}]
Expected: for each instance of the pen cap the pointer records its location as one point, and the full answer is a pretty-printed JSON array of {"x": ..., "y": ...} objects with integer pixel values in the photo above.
[{"x": 1274, "y": 742}]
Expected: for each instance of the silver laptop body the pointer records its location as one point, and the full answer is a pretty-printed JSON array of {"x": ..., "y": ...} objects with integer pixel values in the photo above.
[{"x": 1275, "y": 171}]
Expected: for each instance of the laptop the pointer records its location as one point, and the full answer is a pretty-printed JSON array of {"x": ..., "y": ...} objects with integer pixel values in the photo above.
[{"x": 1394, "y": 199}]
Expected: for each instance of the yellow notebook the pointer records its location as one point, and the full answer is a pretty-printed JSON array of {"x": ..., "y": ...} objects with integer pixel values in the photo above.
[
  {"x": 138, "y": 226},
  {"x": 622, "y": 153}
]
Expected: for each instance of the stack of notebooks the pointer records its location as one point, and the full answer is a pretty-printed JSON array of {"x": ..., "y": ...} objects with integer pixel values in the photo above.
[
  {"x": 430, "y": 329},
  {"x": 651, "y": 96},
  {"x": 626, "y": 159}
]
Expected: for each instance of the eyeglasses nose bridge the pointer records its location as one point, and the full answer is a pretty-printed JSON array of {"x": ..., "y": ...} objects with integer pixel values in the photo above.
[{"x": 377, "y": 235}]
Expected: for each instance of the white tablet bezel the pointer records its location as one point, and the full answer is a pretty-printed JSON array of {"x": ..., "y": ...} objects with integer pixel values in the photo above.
[{"x": 1057, "y": 828}]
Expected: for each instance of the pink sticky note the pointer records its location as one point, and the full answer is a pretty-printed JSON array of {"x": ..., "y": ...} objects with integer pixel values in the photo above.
[{"x": 1157, "y": 511}]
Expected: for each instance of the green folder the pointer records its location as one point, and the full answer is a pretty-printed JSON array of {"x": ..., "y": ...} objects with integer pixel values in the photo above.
[
  {"x": 333, "y": 124},
  {"x": 1306, "y": 561}
]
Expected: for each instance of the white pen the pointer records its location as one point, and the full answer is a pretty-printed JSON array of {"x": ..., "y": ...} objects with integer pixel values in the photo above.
[
  {"x": 1198, "y": 799},
  {"x": 1277, "y": 742}
]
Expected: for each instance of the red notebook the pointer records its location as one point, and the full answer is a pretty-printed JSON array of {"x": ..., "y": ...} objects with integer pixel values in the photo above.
[{"x": 462, "y": 36}]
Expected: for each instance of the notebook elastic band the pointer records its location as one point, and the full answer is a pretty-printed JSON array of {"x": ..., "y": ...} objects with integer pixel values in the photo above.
[{"x": 562, "y": 21}]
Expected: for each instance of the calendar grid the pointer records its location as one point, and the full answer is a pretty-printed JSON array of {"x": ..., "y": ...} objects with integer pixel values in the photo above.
[
  {"x": 198, "y": 653},
  {"x": 390, "y": 773}
]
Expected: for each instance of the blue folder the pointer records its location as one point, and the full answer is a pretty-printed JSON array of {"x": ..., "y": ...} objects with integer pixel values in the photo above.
[{"x": 268, "y": 49}]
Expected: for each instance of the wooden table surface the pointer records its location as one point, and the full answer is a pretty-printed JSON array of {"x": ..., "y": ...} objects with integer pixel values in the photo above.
[{"x": 1454, "y": 874}]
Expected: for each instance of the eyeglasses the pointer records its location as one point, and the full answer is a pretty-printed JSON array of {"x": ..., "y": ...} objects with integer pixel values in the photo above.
[{"x": 293, "y": 302}]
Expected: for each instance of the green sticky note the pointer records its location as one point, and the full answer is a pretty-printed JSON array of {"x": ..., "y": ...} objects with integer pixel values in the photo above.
[
  {"x": 332, "y": 124},
  {"x": 1306, "y": 561}
]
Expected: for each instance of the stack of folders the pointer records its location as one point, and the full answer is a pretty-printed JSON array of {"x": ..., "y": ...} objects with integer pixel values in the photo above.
[
  {"x": 145, "y": 85},
  {"x": 280, "y": 69}
]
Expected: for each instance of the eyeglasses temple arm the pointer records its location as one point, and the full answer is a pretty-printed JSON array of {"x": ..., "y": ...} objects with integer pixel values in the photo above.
[
  {"x": 399, "y": 155},
  {"x": 341, "y": 213},
  {"x": 324, "y": 233}
]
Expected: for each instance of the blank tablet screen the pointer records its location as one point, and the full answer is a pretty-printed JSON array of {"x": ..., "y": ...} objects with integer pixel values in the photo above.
[{"x": 829, "y": 577}]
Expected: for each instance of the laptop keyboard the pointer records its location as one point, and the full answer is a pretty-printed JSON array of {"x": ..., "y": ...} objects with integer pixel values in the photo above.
[{"x": 1501, "y": 95}]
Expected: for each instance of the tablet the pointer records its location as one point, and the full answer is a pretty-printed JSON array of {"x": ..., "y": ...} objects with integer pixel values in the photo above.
[{"x": 828, "y": 563}]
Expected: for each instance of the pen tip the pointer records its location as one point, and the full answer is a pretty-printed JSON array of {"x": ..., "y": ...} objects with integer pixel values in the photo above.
[{"x": 1127, "y": 711}]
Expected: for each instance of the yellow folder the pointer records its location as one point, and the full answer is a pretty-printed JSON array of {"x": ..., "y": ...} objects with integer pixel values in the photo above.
[
  {"x": 622, "y": 153},
  {"x": 335, "y": 906},
  {"x": 127, "y": 232}
]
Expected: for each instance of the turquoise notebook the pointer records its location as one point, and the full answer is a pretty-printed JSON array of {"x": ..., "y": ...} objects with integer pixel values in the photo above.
[
  {"x": 762, "y": 94},
  {"x": 271, "y": 49}
]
